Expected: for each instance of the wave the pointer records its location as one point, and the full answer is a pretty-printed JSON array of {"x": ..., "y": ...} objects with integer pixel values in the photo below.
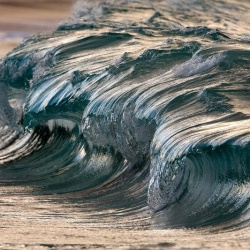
[{"x": 127, "y": 105}]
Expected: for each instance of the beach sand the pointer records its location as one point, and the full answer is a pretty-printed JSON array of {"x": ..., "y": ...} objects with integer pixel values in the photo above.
[{"x": 27, "y": 223}]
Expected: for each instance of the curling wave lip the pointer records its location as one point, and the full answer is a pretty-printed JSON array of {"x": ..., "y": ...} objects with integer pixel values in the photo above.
[{"x": 134, "y": 109}]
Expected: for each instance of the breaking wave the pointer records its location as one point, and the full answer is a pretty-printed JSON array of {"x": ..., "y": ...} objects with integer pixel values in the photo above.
[{"x": 135, "y": 106}]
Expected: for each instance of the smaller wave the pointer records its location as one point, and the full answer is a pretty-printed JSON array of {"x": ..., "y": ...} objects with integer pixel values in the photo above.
[{"x": 213, "y": 189}]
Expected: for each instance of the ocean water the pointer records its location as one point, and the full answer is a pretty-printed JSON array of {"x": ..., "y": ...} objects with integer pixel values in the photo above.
[{"x": 133, "y": 113}]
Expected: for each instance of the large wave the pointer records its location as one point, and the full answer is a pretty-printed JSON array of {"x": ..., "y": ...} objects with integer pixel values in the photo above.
[{"x": 135, "y": 105}]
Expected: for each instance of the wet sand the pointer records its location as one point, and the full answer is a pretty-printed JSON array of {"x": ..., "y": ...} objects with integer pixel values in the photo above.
[{"x": 27, "y": 223}]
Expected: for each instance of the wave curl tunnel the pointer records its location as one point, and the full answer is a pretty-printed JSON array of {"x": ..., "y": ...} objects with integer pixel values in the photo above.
[{"x": 127, "y": 100}]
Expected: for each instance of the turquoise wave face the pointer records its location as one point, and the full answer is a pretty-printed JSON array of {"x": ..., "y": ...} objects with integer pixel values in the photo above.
[{"x": 137, "y": 108}]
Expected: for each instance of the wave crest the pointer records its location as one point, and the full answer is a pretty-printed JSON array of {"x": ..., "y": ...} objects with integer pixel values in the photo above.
[{"x": 146, "y": 109}]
